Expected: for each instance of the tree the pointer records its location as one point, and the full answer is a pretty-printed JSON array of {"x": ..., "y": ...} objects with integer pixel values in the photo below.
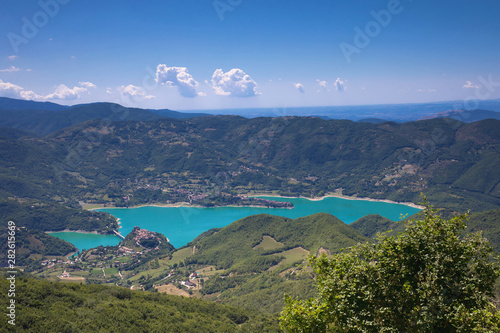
[{"x": 430, "y": 278}]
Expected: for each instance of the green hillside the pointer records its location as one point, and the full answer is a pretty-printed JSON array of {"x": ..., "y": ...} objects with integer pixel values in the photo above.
[
  {"x": 95, "y": 162},
  {"x": 234, "y": 247},
  {"x": 369, "y": 225},
  {"x": 44, "y": 122},
  {"x": 489, "y": 223},
  {"x": 261, "y": 258},
  {"x": 55, "y": 217},
  {"x": 43, "y": 306},
  {"x": 32, "y": 246}
]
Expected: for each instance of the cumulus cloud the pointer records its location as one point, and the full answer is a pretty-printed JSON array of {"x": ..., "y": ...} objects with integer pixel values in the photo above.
[
  {"x": 87, "y": 85},
  {"x": 66, "y": 93},
  {"x": 340, "y": 85},
  {"x": 323, "y": 85},
  {"x": 470, "y": 85},
  {"x": 11, "y": 90},
  {"x": 63, "y": 92},
  {"x": 10, "y": 69},
  {"x": 8, "y": 89},
  {"x": 12, "y": 57},
  {"x": 132, "y": 91},
  {"x": 177, "y": 77},
  {"x": 299, "y": 87},
  {"x": 234, "y": 83}
]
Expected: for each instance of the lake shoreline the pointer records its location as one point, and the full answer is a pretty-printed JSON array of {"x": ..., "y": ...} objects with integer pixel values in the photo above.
[
  {"x": 187, "y": 205},
  {"x": 182, "y": 225},
  {"x": 76, "y": 231},
  {"x": 340, "y": 196}
]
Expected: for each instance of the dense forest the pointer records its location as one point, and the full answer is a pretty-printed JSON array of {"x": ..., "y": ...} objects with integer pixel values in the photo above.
[
  {"x": 43, "y": 306},
  {"x": 116, "y": 162}
]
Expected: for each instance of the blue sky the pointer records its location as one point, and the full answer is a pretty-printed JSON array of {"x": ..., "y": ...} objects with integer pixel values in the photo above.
[{"x": 208, "y": 54}]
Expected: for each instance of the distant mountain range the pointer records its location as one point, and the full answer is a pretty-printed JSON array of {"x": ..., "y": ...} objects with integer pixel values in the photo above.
[
  {"x": 11, "y": 104},
  {"x": 454, "y": 163},
  {"x": 466, "y": 116},
  {"x": 43, "y": 118},
  {"x": 388, "y": 112}
]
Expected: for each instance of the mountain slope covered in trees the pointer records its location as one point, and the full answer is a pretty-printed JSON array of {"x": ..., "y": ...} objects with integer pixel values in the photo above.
[
  {"x": 453, "y": 163},
  {"x": 44, "y": 306}
]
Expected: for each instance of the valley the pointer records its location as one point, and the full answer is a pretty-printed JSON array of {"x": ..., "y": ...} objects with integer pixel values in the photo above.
[{"x": 228, "y": 209}]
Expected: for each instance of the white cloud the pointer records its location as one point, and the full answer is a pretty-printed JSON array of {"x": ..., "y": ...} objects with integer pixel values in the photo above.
[
  {"x": 8, "y": 89},
  {"x": 132, "y": 91},
  {"x": 11, "y": 90},
  {"x": 10, "y": 69},
  {"x": 323, "y": 85},
  {"x": 109, "y": 91},
  {"x": 299, "y": 87},
  {"x": 12, "y": 57},
  {"x": 470, "y": 85},
  {"x": 87, "y": 85},
  {"x": 28, "y": 70},
  {"x": 340, "y": 85},
  {"x": 63, "y": 92},
  {"x": 234, "y": 83},
  {"x": 177, "y": 77}
]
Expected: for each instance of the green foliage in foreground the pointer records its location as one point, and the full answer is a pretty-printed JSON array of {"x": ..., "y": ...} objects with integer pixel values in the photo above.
[
  {"x": 43, "y": 306},
  {"x": 427, "y": 279}
]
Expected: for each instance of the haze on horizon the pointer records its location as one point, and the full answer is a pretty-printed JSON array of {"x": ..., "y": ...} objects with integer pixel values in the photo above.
[{"x": 202, "y": 55}]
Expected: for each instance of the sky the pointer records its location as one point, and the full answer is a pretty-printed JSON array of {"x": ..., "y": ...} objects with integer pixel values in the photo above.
[{"x": 226, "y": 54}]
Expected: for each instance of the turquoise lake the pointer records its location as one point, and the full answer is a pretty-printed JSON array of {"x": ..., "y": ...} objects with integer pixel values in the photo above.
[{"x": 182, "y": 224}]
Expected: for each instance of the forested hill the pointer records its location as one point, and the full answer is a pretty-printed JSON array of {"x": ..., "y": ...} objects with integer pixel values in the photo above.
[
  {"x": 253, "y": 262},
  {"x": 43, "y": 306},
  {"x": 44, "y": 118},
  {"x": 453, "y": 163},
  {"x": 235, "y": 246}
]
